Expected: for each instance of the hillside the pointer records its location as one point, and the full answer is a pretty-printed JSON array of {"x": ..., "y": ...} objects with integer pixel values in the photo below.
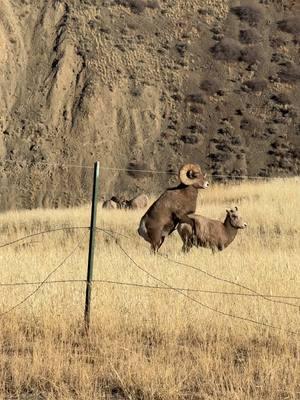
[{"x": 144, "y": 84}]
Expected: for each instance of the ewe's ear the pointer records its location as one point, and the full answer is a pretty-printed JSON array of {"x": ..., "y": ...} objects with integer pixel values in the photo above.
[
  {"x": 236, "y": 208},
  {"x": 227, "y": 211}
]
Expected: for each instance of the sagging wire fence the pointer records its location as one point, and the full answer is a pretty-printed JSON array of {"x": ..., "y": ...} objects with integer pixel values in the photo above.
[
  {"x": 205, "y": 272},
  {"x": 143, "y": 286},
  {"x": 186, "y": 292},
  {"x": 40, "y": 284},
  {"x": 231, "y": 177},
  {"x": 161, "y": 284}
]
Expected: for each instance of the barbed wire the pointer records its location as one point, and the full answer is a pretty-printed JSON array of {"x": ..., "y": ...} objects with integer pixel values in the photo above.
[
  {"x": 152, "y": 171},
  {"x": 255, "y": 293},
  {"x": 166, "y": 285},
  {"x": 230, "y": 282},
  {"x": 141, "y": 285},
  {"x": 234, "y": 316},
  {"x": 254, "y": 177},
  {"x": 205, "y": 272},
  {"x": 51, "y": 164},
  {"x": 42, "y": 233},
  {"x": 26, "y": 298},
  {"x": 88, "y": 167}
]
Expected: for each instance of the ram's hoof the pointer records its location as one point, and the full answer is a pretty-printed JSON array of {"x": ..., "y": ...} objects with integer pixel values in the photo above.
[{"x": 194, "y": 240}]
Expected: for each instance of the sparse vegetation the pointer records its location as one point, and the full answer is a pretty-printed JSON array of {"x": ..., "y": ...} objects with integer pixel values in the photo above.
[
  {"x": 220, "y": 156},
  {"x": 197, "y": 127},
  {"x": 249, "y": 124},
  {"x": 196, "y": 98},
  {"x": 289, "y": 73},
  {"x": 248, "y": 13},
  {"x": 134, "y": 168},
  {"x": 189, "y": 139},
  {"x": 196, "y": 109},
  {"x": 136, "y": 91},
  {"x": 252, "y": 55},
  {"x": 281, "y": 98},
  {"x": 249, "y": 36},
  {"x": 181, "y": 48},
  {"x": 153, "y": 4},
  {"x": 255, "y": 85},
  {"x": 227, "y": 50},
  {"x": 290, "y": 25},
  {"x": 277, "y": 41},
  {"x": 210, "y": 86},
  {"x": 138, "y": 6}
]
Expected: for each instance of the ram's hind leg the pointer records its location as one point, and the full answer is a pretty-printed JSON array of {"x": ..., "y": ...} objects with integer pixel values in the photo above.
[
  {"x": 184, "y": 247},
  {"x": 156, "y": 240},
  {"x": 156, "y": 246},
  {"x": 187, "y": 245}
]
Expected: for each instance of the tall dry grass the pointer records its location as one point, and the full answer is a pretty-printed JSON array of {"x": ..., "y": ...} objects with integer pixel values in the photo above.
[{"x": 152, "y": 343}]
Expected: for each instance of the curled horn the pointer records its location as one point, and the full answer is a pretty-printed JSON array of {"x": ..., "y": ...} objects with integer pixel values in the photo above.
[{"x": 189, "y": 173}]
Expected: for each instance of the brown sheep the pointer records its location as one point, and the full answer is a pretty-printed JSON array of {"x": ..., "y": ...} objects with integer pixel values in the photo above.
[
  {"x": 172, "y": 207},
  {"x": 211, "y": 233},
  {"x": 115, "y": 203},
  {"x": 110, "y": 205},
  {"x": 118, "y": 201},
  {"x": 138, "y": 202}
]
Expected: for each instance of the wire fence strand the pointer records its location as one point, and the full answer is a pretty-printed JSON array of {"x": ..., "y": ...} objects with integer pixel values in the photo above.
[
  {"x": 41, "y": 284},
  {"x": 253, "y": 292},
  {"x": 51, "y": 164},
  {"x": 42, "y": 233},
  {"x": 141, "y": 285},
  {"x": 234, "y": 316},
  {"x": 165, "y": 286},
  {"x": 201, "y": 270},
  {"x": 135, "y": 170}
]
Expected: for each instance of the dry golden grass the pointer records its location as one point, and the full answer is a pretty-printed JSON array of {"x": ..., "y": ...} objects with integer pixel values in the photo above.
[{"x": 154, "y": 343}]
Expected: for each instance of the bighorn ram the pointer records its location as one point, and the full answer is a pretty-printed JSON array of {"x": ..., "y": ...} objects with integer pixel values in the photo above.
[
  {"x": 172, "y": 207},
  {"x": 211, "y": 233}
]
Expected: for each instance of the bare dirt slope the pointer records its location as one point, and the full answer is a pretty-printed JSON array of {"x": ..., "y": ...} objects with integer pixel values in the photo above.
[{"x": 144, "y": 84}]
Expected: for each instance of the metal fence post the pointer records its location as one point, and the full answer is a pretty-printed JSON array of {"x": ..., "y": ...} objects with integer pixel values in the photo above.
[{"x": 89, "y": 280}]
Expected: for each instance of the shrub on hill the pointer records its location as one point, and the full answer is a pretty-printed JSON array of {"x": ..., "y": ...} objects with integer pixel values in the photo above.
[
  {"x": 255, "y": 85},
  {"x": 134, "y": 168},
  {"x": 290, "y": 25},
  {"x": 227, "y": 50},
  {"x": 138, "y": 6},
  {"x": 249, "y": 36},
  {"x": 281, "y": 98},
  {"x": 210, "y": 86},
  {"x": 290, "y": 73},
  {"x": 248, "y": 13},
  {"x": 195, "y": 98},
  {"x": 251, "y": 55}
]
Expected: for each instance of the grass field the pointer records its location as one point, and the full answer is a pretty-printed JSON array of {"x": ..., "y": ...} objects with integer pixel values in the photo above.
[{"x": 149, "y": 343}]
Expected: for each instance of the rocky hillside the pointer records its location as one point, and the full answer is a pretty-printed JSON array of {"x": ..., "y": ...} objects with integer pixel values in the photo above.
[{"x": 144, "y": 84}]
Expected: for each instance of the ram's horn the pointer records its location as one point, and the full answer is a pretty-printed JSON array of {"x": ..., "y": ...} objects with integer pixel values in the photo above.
[{"x": 189, "y": 173}]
